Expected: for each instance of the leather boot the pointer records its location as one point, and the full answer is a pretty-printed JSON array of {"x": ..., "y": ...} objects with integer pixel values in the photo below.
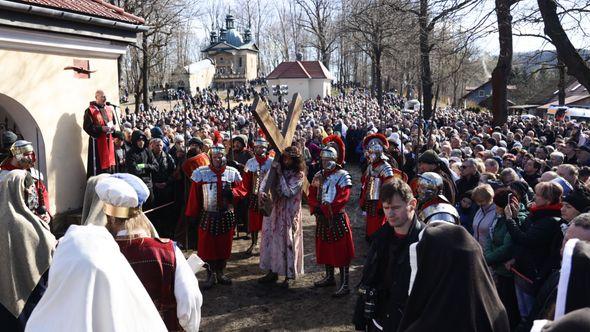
[
  {"x": 328, "y": 280},
  {"x": 210, "y": 281},
  {"x": 344, "y": 288},
  {"x": 221, "y": 278},
  {"x": 269, "y": 278}
]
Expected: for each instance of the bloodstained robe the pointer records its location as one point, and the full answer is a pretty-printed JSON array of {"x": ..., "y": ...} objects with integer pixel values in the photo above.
[
  {"x": 334, "y": 245},
  {"x": 254, "y": 172},
  {"x": 216, "y": 228},
  {"x": 281, "y": 246},
  {"x": 101, "y": 150}
]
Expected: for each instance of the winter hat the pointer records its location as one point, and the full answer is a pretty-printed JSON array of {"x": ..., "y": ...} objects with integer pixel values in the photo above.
[
  {"x": 429, "y": 157},
  {"x": 579, "y": 198}
]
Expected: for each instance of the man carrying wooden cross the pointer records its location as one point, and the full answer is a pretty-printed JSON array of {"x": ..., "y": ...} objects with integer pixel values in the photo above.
[{"x": 281, "y": 247}]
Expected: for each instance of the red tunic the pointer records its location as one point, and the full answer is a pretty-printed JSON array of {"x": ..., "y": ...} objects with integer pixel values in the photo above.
[
  {"x": 154, "y": 262},
  {"x": 375, "y": 221},
  {"x": 104, "y": 142},
  {"x": 211, "y": 247},
  {"x": 341, "y": 252},
  {"x": 254, "y": 215},
  {"x": 7, "y": 166}
]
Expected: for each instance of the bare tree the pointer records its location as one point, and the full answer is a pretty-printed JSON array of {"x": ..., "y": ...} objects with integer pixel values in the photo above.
[
  {"x": 319, "y": 22},
  {"x": 501, "y": 73},
  {"x": 372, "y": 34},
  {"x": 566, "y": 52}
]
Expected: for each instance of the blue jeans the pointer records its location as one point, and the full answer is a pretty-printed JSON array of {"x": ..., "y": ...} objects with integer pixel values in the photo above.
[{"x": 525, "y": 302}]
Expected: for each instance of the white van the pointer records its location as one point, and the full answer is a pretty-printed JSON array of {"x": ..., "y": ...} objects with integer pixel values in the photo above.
[
  {"x": 411, "y": 106},
  {"x": 567, "y": 113}
]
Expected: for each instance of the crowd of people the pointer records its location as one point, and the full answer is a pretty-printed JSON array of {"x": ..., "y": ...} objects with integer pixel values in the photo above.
[{"x": 472, "y": 227}]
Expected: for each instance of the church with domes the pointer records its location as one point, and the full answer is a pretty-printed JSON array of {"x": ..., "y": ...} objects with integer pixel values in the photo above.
[{"x": 235, "y": 55}]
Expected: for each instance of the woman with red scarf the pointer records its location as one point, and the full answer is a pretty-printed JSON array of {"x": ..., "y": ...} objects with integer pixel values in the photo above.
[{"x": 536, "y": 243}]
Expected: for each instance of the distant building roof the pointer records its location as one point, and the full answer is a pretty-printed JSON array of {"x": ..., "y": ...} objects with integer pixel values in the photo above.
[
  {"x": 97, "y": 8},
  {"x": 470, "y": 90},
  {"x": 300, "y": 69},
  {"x": 196, "y": 67},
  {"x": 568, "y": 100}
]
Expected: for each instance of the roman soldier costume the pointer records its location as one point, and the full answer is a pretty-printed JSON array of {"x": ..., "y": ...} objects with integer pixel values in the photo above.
[
  {"x": 432, "y": 205},
  {"x": 377, "y": 172},
  {"x": 211, "y": 199},
  {"x": 22, "y": 153},
  {"x": 254, "y": 171},
  {"x": 328, "y": 194}
]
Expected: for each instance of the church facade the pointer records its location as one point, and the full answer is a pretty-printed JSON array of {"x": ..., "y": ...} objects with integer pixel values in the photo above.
[{"x": 235, "y": 56}]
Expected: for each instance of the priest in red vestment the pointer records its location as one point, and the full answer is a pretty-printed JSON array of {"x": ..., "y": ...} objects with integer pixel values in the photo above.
[{"x": 99, "y": 124}]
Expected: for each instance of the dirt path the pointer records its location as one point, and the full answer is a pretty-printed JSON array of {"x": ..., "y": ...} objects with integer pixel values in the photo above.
[{"x": 249, "y": 306}]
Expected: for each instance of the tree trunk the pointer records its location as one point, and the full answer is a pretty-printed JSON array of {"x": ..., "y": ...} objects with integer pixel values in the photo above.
[
  {"x": 426, "y": 73},
  {"x": 501, "y": 73},
  {"x": 566, "y": 52},
  {"x": 377, "y": 83},
  {"x": 561, "y": 84},
  {"x": 144, "y": 72}
]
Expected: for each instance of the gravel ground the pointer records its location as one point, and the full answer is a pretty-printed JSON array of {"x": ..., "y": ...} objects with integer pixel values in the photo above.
[{"x": 249, "y": 306}]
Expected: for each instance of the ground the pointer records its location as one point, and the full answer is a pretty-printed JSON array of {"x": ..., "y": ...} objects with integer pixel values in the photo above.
[{"x": 247, "y": 305}]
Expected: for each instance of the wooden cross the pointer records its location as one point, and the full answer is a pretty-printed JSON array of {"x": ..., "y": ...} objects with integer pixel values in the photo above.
[{"x": 280, "y": 140}]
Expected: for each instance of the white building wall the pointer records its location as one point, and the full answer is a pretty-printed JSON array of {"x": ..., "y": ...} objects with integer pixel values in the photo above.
[{"x": 300, "y": 85}]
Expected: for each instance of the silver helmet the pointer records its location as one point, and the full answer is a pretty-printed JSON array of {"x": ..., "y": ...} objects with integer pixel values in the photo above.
[{"x": 430, "y": 185}]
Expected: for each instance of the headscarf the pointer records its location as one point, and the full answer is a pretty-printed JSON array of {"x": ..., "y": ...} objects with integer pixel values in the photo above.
[
  {"x": 451, "y": 288},
  {"x": 93, "y": 209},
  {"x": 93, "y": 288},
  {"x": 26, "y": 244}
]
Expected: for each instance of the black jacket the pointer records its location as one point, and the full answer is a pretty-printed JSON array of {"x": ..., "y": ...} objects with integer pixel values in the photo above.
[
  {"x": 165, "y": 169},
  {"x": 535, "y": 243},
  {"x": 136, "y": 156},
  {"x": 466, "y": 184},
  {"x": 387, "y": 270}
]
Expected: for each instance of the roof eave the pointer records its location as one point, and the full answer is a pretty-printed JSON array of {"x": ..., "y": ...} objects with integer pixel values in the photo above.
[{"x": 70, "y": 16}]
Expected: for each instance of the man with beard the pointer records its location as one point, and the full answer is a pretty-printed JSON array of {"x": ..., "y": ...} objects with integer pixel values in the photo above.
[
  {"x": 281, "y": 249},
  {"x": 328, "y": 194},
  {"x": 99, "y": 124},
  {"x": 213, "y": 193},
  {"x": 386, "y": 274},
  {"x": 254, "y": 172},
  {"x": 23, "y": 157}
]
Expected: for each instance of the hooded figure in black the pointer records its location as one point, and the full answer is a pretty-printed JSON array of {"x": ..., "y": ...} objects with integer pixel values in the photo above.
[
  {"x": 575, "y": 321},
  {"x": 140, "y": 161},
  {"x": 451, "y": 288},
  {"x": 573, "y": 291}
]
